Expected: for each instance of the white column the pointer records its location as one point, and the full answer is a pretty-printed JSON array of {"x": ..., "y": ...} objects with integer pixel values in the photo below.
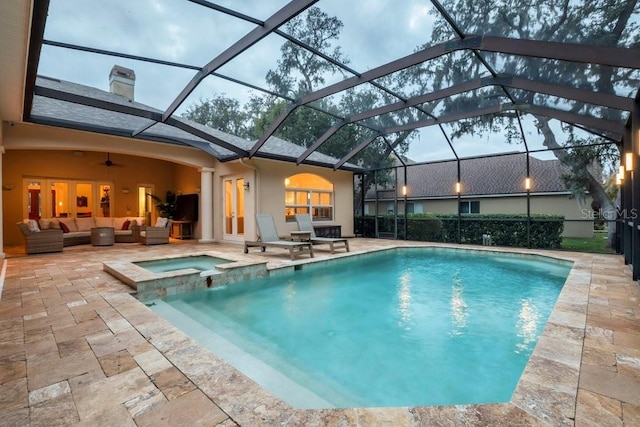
[{"x": 206, "y": 205}]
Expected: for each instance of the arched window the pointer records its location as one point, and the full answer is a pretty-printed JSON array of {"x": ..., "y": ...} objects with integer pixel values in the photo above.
[{"x": 308, "y": 193}]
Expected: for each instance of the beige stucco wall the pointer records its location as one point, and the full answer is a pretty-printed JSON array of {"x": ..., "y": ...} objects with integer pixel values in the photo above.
[
  {"x": 267, "y": 193},
  {"x": 571, "y": 208}
]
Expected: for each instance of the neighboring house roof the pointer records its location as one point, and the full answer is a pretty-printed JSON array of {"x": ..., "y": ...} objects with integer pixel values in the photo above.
[
  {"x": 54, "y": 111},
  {"x": 499, "y": 175}
]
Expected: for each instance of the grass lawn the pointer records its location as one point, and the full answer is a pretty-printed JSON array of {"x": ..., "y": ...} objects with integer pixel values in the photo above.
[{"x": 596, "y": 244}]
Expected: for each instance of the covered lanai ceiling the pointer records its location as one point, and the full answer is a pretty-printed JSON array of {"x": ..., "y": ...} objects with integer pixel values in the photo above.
[{"x": 342, "y": 79}]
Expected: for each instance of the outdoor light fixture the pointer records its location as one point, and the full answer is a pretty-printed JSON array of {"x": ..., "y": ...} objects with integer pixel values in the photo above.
[
  {"x": 628, "y": 162},
  {"x": 620, "y": 174},
  {"x": 458, "y": 188},
  {"x": 404, "y": 190},
  {"x": 246, "y": 186},
  {"x": 527, "y": 183}
]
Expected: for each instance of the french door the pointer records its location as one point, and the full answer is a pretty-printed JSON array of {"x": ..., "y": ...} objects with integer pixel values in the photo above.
[{"x": 234, "y": 208}]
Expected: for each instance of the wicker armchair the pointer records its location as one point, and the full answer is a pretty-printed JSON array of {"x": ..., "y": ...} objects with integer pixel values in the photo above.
[
  {"x": 148, "y": 235},
  {"x": 43, "y": 241}
]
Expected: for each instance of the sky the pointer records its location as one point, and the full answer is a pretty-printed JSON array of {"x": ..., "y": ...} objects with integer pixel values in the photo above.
[{"x": 184, "y": 32}]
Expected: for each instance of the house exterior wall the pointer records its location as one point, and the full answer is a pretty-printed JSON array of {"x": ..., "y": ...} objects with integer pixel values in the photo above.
[
  {"x": 574, "y": 226},
  {"x": 41, "y": 151},
  {"x": 270, "y": 197}
]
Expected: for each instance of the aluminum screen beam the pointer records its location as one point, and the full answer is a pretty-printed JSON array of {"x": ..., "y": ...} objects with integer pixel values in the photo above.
[
  {"x": 355, "y": 151},
  {"x": 568, "y": 117},
  {"x": 279, "y": 18},
  {"x": 588, "y": 54},
  {"x": 565, "y": 116},
  {"x": 580, "y": 95}
]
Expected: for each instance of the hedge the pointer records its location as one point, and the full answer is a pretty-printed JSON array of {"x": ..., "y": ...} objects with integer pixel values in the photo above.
[{"x": 505, "y": 229}]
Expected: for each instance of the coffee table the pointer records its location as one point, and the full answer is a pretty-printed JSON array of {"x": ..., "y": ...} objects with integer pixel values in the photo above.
[{"x": 102, "y": 236}]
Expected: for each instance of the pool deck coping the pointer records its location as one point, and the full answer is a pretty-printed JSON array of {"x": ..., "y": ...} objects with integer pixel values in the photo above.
[{"x": 579, "y": 371}]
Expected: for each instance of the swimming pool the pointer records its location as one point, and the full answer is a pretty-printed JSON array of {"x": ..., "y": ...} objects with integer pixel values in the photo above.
[{"x": 407, "y": 327}]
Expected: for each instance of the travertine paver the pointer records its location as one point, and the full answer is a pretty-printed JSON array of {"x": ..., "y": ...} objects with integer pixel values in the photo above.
[
  {"x": 77, "y": 349},
  {"x": 191, "y": 409}
]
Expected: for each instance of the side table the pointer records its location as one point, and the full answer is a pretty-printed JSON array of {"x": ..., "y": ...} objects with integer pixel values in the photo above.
[
  {"x": 300, "y": 236},
  {"x": 102, "y": 236}
]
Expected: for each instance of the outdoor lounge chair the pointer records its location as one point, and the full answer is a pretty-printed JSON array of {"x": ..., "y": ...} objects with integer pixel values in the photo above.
[
  {"x": 304, "y": 224},
  {"x": 269, "y": 238}
]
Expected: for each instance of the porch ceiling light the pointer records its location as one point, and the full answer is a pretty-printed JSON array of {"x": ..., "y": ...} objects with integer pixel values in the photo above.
[{"x": 628, "y": 162}]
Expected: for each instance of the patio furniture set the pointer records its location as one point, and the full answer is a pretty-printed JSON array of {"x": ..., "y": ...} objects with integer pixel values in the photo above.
[{"x": 53, "y": 234}]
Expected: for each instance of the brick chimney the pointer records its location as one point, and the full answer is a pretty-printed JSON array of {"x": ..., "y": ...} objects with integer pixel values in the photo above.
[{"x": 122, "y": 81}]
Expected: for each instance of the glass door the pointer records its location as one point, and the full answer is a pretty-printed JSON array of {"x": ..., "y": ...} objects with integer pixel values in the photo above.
[{"x": 233, "y": 208}]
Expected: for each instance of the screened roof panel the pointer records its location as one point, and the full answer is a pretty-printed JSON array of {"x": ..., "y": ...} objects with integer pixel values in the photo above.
[
  {"x": 364, "y": 43},
  {"x": 296, "y": 72},
  {"x": 177, "y": 31},
  {"x": 587, "y": 22}
]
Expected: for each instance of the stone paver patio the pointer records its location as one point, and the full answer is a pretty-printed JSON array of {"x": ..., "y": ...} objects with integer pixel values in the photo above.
[{"x": 77, "y": 349}]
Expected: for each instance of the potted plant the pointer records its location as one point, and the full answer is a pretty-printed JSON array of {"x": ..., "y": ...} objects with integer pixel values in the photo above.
[{"x": 167, "y": 207}]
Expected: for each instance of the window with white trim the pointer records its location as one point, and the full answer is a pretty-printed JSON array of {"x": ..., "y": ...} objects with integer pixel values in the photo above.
[{"x": 308, "y": 193}]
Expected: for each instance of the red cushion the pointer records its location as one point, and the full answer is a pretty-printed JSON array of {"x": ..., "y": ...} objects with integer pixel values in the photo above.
[
  {"x": 125, "y": 225},
  {"x": 64, "y": 227}
]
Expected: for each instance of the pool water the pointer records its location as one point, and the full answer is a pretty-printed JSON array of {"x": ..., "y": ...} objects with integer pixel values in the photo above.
[
  {"x": 412, "y": 327},
  {"x": 198, "y": 262}
]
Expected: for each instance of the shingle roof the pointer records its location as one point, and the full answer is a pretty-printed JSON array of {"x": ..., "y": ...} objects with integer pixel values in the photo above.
[
  {"x": 482, "y": 176},
  {"x": 50, "y": 110}
]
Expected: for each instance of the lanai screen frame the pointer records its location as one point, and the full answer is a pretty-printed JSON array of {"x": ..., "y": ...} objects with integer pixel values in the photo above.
[{"x": 624, "y": 135}]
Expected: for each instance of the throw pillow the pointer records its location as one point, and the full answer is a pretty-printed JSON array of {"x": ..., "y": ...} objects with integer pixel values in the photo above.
[
  {"x": 125, "y": 225},
  {"x": 103, "y": 221},
  {"x": 64, "y": 227},
  {"x": 85, "y": 224},
  {"x": 44, "y": 223},
  {"x": 70, "y": 223},
  {"x": 32, "y": 225},
  {"x": 162, "y": 222}
]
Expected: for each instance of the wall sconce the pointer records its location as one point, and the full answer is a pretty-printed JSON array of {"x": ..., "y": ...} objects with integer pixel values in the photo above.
[
  {"x": 404, "y": 190},
  {"x": 246, "y": 186},
  {"x": 125, "y": 190},
  {"x": 287, "y": 181},
  {"x": 60, "y": 204},
  {"x": 458, "y": 187},
  {"x": 628, "y": 162},
  {"x": 527, "y": 183}
]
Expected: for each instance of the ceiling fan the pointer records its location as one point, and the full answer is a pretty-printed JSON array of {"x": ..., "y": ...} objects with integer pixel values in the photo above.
[{"x": 109, "y": 163}]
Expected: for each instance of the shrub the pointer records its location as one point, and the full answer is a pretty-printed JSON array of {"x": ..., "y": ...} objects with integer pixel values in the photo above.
[{"x": 505, "y": 229}]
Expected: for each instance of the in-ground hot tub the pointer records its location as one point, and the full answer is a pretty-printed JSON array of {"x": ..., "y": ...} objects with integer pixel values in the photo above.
[{"x": 152, "y": 278}]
